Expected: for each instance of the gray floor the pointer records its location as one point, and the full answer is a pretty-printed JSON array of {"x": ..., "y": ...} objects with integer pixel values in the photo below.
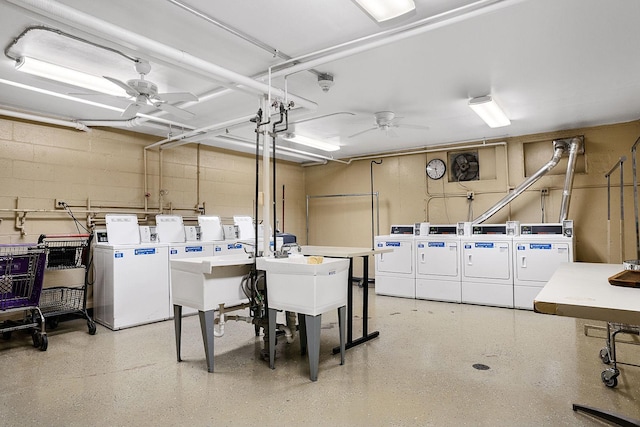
[{"x": 418, "y": 372}]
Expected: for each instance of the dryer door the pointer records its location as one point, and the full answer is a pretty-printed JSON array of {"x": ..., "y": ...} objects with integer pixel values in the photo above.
[
  {"x": 487, "y": 260},
  {"x": 537, "y": 261},
  {"x": 437, "y": 258},
  {"x": 398, "y": 261}
]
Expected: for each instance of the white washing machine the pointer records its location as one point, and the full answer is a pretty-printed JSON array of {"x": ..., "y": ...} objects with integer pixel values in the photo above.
[
  {"x": 131, "y": 279},
  {"x": 171, "y": 230},
  {"x": 487, "y": 271},
  {"x": 212, "y": 231},
  {"x": 537, "y": 252},
  {"x": 438, "y": 270},
  {"x": 395, "y": 271},
  {"x": 247, "y": 233}
]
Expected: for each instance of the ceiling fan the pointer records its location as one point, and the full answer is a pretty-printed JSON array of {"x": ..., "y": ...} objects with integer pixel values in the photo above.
[
  {"x": 386, "y": 121},
  {"x": 145, "y": 92}
]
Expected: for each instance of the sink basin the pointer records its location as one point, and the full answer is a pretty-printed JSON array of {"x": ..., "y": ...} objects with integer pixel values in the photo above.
[
  {"x": 295, "y": 285},
  {"x": 204, "y": 283}
]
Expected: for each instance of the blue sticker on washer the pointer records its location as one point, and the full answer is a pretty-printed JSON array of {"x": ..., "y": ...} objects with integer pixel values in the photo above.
[
  {"x": 145, "y": 251},
  {"x": 485, "y": 245},
  {"x": 540, "y": 246},
  {"x": 218, "y": 249},
  {"x": 421, "y": 245},
  {"x": 467, "y": 246},
  {"x": 436, "y": 244},
  {"x": 193, "y": 249},
  {"x": 521, "y": 247},
  {"x": 396, "y": 244},
  {"x": 380, "y": 245},
  {"x": 119, "y": 255},
  {"x": 173, "y": 251}
]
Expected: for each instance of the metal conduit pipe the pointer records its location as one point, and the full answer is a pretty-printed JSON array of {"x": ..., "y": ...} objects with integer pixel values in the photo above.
[
  {"x": 559, "y": 148},
  {"x": 43, "y": 119},
  {"x": 574, "y": 147},
  {"x": 61, "y": 13}
]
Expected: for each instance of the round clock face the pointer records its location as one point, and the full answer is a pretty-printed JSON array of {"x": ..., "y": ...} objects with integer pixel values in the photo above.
[{"x": 436, "y": 169}]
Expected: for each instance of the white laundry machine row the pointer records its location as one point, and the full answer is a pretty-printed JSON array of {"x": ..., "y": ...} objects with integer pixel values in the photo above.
[
  {"x": 395, "y": 271},
  {"x": 537, "y": 252},
  {"x": 223, "y": 238},
  {"x": 487, "y": 266},
  {"x": 438, "y": 257},
  {"x": 131, "y": 280}
]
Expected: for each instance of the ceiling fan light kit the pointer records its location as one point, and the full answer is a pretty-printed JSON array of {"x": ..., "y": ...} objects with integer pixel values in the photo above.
[
  {"x": 489, "y": 111},
  {"x": 66, "y": 75}
]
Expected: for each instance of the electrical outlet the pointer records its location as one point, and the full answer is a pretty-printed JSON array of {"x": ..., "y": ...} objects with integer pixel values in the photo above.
[
  {"x": 470, "y": 195},
  {"x": 60, "y": 203},
  {"x": 544, "y": 191}
]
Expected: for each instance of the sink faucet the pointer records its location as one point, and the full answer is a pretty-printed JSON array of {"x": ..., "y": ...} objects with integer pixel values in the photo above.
[{"x": 285, "y": 250}]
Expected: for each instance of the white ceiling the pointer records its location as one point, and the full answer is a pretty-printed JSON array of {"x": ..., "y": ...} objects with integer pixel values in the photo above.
[{"x": 551, "y": 65}]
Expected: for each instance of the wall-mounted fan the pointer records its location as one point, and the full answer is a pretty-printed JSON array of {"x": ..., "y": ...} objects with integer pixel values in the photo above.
[
  {"x": 145, "y": 92},
  {"x": 387, "y": 121},
  {"x": 465, "y": 166}
]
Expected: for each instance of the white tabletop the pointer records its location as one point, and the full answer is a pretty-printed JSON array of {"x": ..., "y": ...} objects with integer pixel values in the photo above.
[
  {"x": 582, "y": 290},
  {"x": 342, "y": 251}
]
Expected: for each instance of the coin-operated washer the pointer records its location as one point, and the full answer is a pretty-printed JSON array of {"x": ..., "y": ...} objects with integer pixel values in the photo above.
[
  {"x": 224, "y": 238},
  {"x": 537, "y": 253},
  {"x": 131, "y": 284},
  {"x": 438, "y": 270},
  {"x": 247, "y": 234},
  {"x": 395, "y": 271},
  {"x": 487, "y": 268}
]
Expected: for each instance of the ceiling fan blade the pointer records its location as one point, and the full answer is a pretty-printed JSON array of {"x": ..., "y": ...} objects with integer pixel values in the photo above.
[
  {"x": 176, "y": 97},
  {"x": 132, "y": 109},
  {"x": 123, "y": 85},
  {"x": 179, "y": 112},
  {"x": 391, "y": 133},
  {"x": 364, "y": 131}
]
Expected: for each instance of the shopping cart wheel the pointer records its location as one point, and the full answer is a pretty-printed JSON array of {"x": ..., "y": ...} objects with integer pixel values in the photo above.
[
  {"x": 44, "y": 343},
  {"x": 604, "y": 356},
  {"x": 6, "y": 335},
  {"x": 35, "y": 337},
  {"x": 92, "y": 327},
  {"x": 610, "y": 377}
]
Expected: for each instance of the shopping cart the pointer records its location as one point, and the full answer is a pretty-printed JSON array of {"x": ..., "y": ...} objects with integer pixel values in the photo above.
[
  {"x": 608, "y": 353},
  {"x": 65, "y": 252},
  {"x": 21, "y": 274}
]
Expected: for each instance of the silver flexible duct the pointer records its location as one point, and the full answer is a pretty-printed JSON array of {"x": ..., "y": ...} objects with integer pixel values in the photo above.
[
  {"x": 559, "y": 148},
  {"x": 574, "y": 148}
]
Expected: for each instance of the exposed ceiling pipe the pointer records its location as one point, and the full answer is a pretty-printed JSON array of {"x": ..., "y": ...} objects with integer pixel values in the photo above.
[
  {"x": 575, "y": 146},
  {"x": 65, "y": 14},
  {"x": 131, "y": 123},
  {"x": 435, "y": 149},
  {"x": 363, "y": 44},
  {"x": 559, "y": 148},
  {"x": 43, "y": 119}
]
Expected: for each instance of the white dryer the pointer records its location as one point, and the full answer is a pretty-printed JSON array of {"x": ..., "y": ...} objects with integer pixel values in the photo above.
[
  {"x": 395, "y": 271},
  {"x": 131, "y": 279},
  {"x": 487, "y": 272},
  {"x": 438, "y": 270},
  {"x": 537, "y": 252}
]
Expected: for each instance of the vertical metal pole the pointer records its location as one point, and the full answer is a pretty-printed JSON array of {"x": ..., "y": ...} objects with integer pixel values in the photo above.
[
  {"x": 635, "y": 197},
  {"x": 622, "y": 209},
  {"x": 307, "y": 241},
  {"x": 608, "y": 218},
  {"x": 372, "y": 221}
]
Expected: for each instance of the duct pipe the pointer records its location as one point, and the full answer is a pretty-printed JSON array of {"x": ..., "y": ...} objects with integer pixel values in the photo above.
[
  {"x": 61, "y": 13},
  {"x": 574, "y": 148},
  {"x": 43, "y": 119},
  {"x": 131, "y": 123},
  {"x": 559, "y": 148}
]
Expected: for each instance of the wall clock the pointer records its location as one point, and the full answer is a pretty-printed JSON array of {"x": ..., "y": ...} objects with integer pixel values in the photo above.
[{"x": 436, "y": 169}]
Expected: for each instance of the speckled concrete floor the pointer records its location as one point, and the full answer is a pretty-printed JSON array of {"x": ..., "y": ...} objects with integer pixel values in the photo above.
[{"x": 418, "y": 372}]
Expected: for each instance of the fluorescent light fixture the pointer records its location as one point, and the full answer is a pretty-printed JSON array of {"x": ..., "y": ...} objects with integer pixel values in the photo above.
[
  {"x": 384, "y": 10},
  {"x": 489, "y": 111},
  {"x": 67, "y": 75},
  {"x": 310, "y": 142}
]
